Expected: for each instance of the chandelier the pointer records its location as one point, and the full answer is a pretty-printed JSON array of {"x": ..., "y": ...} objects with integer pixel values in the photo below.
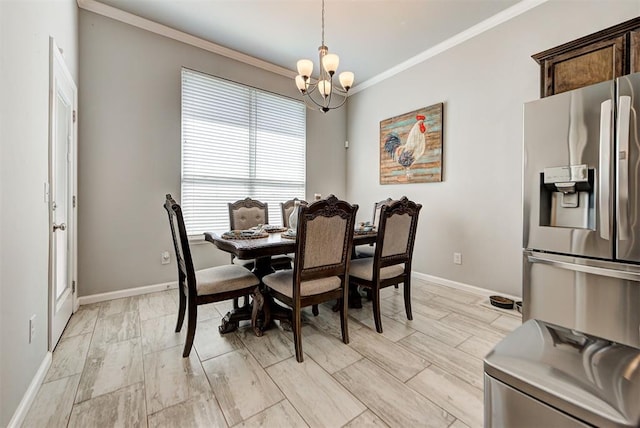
[{"x": 321, "y": 92}]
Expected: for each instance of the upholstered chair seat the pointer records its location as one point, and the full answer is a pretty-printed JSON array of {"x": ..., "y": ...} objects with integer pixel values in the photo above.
[
  {"x": 363, "y": 268},
  {"x": 247, "y": 264},
  {"x": 222, "y": 279},
  {"x": 281, "y": 282}
]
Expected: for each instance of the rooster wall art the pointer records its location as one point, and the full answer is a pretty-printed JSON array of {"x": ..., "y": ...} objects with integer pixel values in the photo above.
[{"x": 411, "y": 147}]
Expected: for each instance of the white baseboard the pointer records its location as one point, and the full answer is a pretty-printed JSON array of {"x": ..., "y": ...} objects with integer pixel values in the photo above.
[
  {"x": 30, "y": 394},
  {"x": 461, "y": 286},
  {"x": 102, "y": 297},
  {"x": 137, "y": 291}
]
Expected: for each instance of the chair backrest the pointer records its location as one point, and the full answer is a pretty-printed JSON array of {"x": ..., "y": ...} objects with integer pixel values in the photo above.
[
  {"x": 397, "y": 233},
  {"x": 180, "y": 244},
  {"x": 376, "y": 210},
  {"x": 287, "y": 207},
  {"x": 324, "y": 239},
  {"x": 247, "y": 213}
]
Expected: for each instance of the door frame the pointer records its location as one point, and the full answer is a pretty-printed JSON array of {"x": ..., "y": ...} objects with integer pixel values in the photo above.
[{"x": 58, "y": 69}]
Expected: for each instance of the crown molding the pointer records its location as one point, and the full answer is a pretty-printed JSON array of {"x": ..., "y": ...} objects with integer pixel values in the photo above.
[
  {"x": 163, "y": 30},
  {"x": 487, "y": 24}
]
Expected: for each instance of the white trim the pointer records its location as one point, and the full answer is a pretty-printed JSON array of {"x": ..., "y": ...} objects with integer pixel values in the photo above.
[
  {"x": 489, "y": 23},
  {"x": 61, "y": 83},
  {"x": 461, "y": 286},
  {"x": 153, "y": 27},
  {"x": 137, "y": 291},
  {"x": 30, "y": 394}
]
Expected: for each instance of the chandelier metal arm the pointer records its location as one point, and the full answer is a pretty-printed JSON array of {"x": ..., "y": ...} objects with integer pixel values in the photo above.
[{"x": 323, "y": 106}]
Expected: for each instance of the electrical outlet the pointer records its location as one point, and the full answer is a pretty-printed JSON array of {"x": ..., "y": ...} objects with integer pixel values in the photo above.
[
  {"x": 165, "y": 258},
  {"x": 32, "y": 327},
  {"x": 457, "y": 258}
]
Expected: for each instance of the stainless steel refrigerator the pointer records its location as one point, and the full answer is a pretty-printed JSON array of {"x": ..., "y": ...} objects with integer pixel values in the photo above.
[
  {"x": 576, "y": 359},
  {"x": 581, "y": 202}
]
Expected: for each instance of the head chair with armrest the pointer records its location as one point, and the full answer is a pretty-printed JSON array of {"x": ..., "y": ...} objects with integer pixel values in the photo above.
[{"x": 245, "y": 214}]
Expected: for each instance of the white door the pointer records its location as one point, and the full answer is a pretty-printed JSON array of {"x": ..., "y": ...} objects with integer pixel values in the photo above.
[{"x": 62, "y": 185}]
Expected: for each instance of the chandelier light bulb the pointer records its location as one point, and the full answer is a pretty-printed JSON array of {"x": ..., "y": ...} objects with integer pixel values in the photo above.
[
  {"x": 305, "y": 67},
  {"x": 301, "y": 84},
  {"x": 330, "y": 63},
  {"x": 324, "y": 86},
  {"x": 346, "y": 79}
]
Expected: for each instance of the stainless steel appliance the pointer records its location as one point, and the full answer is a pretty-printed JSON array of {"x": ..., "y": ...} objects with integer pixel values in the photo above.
[
  {"x": 543, "y": 375},
  {"x": 581, "y": 233},
  {"x": 576, "y": 359}
]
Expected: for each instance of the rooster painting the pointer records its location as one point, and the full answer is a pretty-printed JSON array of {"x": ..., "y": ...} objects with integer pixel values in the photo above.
[
  {"x": 407, "y": 153},
  {"x": 416, "y": 157}
]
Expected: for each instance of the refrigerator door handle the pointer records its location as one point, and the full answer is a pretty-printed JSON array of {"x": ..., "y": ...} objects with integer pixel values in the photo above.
[
  {"x": 624, "y": 112},
  {"x": 595, "y": 270},
  {"x": 605, "y": 173}
]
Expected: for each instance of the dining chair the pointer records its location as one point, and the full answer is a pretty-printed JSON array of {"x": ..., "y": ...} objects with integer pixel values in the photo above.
[
  {"x": 391, "y": 263},
  {"x": 286, "y": 208},
  {"x": 245, "y": 214},
  {"x": 202, "y": 286},
  {"x": 369, "y": 250},
  {"x": 322, "y": 254}
]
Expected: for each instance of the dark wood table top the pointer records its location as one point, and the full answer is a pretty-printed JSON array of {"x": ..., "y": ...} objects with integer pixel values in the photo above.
[{"x": 272, "y": 245}]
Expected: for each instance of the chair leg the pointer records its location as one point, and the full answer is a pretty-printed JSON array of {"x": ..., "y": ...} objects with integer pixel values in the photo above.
[
  {"x": 297, "y": 333},
  {"x": 314, "y": 310},
  {"x": 344, "y": 305},
  {"x": 181, "y": 309},
  {"x": 407, "y": 298},
  {"x": 375, "y": 292},
  {"x": 191, "y": 328},
  {"x": 235, "y": 303}
]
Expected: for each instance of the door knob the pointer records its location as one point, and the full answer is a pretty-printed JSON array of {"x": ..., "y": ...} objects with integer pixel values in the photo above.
[{"x": 60, "y": 226}]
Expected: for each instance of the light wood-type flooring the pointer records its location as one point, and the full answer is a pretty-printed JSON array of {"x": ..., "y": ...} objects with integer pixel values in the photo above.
[{"x": 119, "y": 363}]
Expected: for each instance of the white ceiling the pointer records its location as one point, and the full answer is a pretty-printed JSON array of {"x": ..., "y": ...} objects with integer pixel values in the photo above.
[{"x": 370, "y": 36}]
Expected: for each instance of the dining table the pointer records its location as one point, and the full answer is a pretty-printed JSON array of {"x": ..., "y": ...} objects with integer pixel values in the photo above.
[{"x": 261, "y": 248}]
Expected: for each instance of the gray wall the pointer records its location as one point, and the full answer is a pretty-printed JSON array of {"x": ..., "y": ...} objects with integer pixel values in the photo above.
[
  {"x": 129, "y": 154},
  {"x": 483, "y": 83},
  {"x": 25, "y": 27}
]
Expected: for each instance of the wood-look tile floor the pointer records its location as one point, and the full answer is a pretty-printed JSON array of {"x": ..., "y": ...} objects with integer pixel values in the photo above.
[{"x": 119, "y": 363}]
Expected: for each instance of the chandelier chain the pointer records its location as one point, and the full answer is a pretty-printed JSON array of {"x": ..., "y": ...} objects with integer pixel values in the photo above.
[{"x": 322, "y": 22}]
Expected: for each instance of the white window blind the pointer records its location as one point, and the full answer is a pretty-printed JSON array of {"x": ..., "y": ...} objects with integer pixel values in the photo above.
[{"x": 237, "y": 142}]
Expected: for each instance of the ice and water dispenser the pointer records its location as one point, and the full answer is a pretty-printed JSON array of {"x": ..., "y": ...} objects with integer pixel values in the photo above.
[{"x": 567, "y": 197}]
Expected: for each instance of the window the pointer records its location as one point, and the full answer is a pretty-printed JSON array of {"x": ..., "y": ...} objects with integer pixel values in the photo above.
[{"x": 237, "y": 141}]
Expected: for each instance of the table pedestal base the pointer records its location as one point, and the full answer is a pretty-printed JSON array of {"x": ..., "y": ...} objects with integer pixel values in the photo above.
[
  {"x": 231, "y": 320},
  {"x": 266, "y": 311}
]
